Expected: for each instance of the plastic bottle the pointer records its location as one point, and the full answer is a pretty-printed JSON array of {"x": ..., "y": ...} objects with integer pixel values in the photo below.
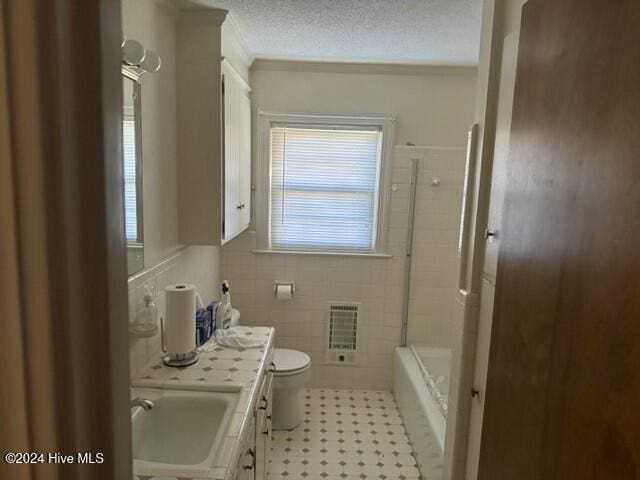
[
  {"x": 223, "y": 312},
  {"x": 146, "y": 323}
]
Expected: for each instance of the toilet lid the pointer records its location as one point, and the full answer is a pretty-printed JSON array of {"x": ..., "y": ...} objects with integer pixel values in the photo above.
[{"x": 289, "y": 360}]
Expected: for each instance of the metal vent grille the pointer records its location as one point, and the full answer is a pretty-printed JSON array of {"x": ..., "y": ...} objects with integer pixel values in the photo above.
[{"x": 343, "y": 328}]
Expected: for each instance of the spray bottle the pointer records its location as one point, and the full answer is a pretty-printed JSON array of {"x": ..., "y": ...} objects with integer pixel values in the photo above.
[{"x": 223, "y": 312}]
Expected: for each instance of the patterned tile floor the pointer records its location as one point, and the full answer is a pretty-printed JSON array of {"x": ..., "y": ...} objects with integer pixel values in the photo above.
[{"x": 346, "y": 435}]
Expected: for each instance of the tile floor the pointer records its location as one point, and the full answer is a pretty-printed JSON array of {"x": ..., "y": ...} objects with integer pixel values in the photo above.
[{"x": 346, "y": 435}]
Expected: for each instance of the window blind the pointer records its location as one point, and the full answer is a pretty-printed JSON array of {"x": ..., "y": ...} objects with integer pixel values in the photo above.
[
  {"x": 129, "y": 155},
  {"x": 324, "y": 187}
]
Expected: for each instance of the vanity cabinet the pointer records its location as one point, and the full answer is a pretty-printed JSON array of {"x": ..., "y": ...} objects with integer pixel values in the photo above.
[
  {"x": 256, "y": 450},
  {"x": 237, "y": 153},
  {"x": 247, "y": 463},
  {"x": 263, "y": 426}
]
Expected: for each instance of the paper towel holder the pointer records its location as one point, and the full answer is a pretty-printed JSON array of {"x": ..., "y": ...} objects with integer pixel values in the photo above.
[
  {"x": 176, "y": 359},
  {"x": 277, "y": 284}
]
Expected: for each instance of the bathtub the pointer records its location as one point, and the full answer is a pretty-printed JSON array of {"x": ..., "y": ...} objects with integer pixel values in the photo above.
[
  {"x": 435, "y": 366},
  {"x": 420, "y": 387}
]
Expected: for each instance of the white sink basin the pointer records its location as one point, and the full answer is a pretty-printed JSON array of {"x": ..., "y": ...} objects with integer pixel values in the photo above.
[{"x": 183, "y": 432}]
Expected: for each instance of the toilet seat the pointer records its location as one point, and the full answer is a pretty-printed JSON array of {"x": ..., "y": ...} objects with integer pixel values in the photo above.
[{"x": 290, "y": 362}]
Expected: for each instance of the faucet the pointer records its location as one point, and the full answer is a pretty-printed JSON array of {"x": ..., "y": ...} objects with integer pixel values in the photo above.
[{"x": 143, "y": 403}]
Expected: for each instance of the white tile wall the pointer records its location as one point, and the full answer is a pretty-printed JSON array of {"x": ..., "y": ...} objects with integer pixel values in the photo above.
[
  {"x": 300, "y": 322},
  {"x": 197, "y": 265},
  {"x": 435, "y": 238},
  {"x": 376, "y": 283}
]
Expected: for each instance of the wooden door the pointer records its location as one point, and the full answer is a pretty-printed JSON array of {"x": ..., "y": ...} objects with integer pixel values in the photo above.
[{"x": 563, "y": 390}]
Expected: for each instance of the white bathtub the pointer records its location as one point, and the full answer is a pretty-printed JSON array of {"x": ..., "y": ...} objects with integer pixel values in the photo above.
[
  {"x": 420, "y": 406},
  {"x": 435, "y": 365}
]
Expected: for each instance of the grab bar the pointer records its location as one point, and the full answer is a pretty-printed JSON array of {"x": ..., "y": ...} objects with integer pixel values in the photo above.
[{"x": 465, "y": 214}]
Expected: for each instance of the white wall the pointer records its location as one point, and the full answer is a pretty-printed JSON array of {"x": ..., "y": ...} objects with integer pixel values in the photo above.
[
  {"x": 153, "y": 24},
  {"x": 433, "y": 107}
]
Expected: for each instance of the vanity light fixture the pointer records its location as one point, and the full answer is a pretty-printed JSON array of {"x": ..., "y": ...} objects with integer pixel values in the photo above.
[{"x": 135, "y": 56}]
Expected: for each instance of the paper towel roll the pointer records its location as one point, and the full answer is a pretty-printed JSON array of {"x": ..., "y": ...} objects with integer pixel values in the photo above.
[
  {"x": 180, "y": 318},
  {"x": 284, "y": 292}
]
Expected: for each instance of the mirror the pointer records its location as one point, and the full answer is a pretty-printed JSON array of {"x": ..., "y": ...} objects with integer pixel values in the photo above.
[{"x": 132, "y": 163}]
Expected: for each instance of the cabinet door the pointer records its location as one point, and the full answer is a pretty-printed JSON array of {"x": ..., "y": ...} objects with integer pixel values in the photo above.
[
  {"x": 500, "y": 153},
  {"x": 247, "y": 464},
  {"x": 263, "y": 427},
  {"x": 498, "y": 180},
  {"x": 267, "y": 431},
  {"x": 261, "y": 473},
  {"x": 245, "y": 159},
  {"x": 231, "y": 157}
]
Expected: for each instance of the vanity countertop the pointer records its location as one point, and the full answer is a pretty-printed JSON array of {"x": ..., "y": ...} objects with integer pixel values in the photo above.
[{"x": 224, "y": 368}]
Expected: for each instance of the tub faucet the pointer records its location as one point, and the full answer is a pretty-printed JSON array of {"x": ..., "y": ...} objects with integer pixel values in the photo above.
[{"x": 143, "y": 403}]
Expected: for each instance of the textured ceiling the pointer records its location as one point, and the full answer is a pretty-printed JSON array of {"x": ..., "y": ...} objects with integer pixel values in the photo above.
[{"x": 437, "y": 32}]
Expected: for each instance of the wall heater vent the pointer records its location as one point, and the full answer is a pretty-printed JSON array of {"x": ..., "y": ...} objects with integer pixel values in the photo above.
[{"x": 342, "y": 333}]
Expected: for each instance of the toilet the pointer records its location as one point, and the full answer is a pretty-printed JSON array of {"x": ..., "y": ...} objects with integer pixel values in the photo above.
[{"x": 292, "y": 372}]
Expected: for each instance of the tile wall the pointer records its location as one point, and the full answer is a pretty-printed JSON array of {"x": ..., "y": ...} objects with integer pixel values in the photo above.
[
  {"x": 376, "y": 283},
  {"x": 435, "y": 261},
  {"x": 196, "y": 265}
]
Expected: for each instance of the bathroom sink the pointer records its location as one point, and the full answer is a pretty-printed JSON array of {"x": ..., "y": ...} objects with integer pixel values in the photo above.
[{"x": 182, "y": 433}]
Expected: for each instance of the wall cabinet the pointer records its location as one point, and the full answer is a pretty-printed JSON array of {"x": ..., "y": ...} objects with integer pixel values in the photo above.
[
  {"x": 496, "y": 206},
  {"x": 214, "y": 130},
  {"x": 237, "y": 153},
  {"x": 500, "y": 155},
  {"x": 199, "y": 126}
]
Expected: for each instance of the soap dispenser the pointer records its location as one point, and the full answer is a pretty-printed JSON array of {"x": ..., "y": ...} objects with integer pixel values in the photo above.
[{"x": 145, "y": 324}]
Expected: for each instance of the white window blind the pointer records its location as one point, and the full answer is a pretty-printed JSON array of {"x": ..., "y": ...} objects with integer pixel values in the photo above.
[
  {"x": 129, "y": 155},
  {"x": 324, "y": 187}
]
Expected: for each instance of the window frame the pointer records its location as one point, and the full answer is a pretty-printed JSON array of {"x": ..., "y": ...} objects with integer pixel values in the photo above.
[{"x": 266, "y": 120}]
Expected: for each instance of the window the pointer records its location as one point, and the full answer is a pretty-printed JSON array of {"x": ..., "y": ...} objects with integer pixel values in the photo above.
[{"x": 324, "y": 185}]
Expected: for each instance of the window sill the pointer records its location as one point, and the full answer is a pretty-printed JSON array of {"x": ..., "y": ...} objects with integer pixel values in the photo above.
[{"x": 321, "y": 254}]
